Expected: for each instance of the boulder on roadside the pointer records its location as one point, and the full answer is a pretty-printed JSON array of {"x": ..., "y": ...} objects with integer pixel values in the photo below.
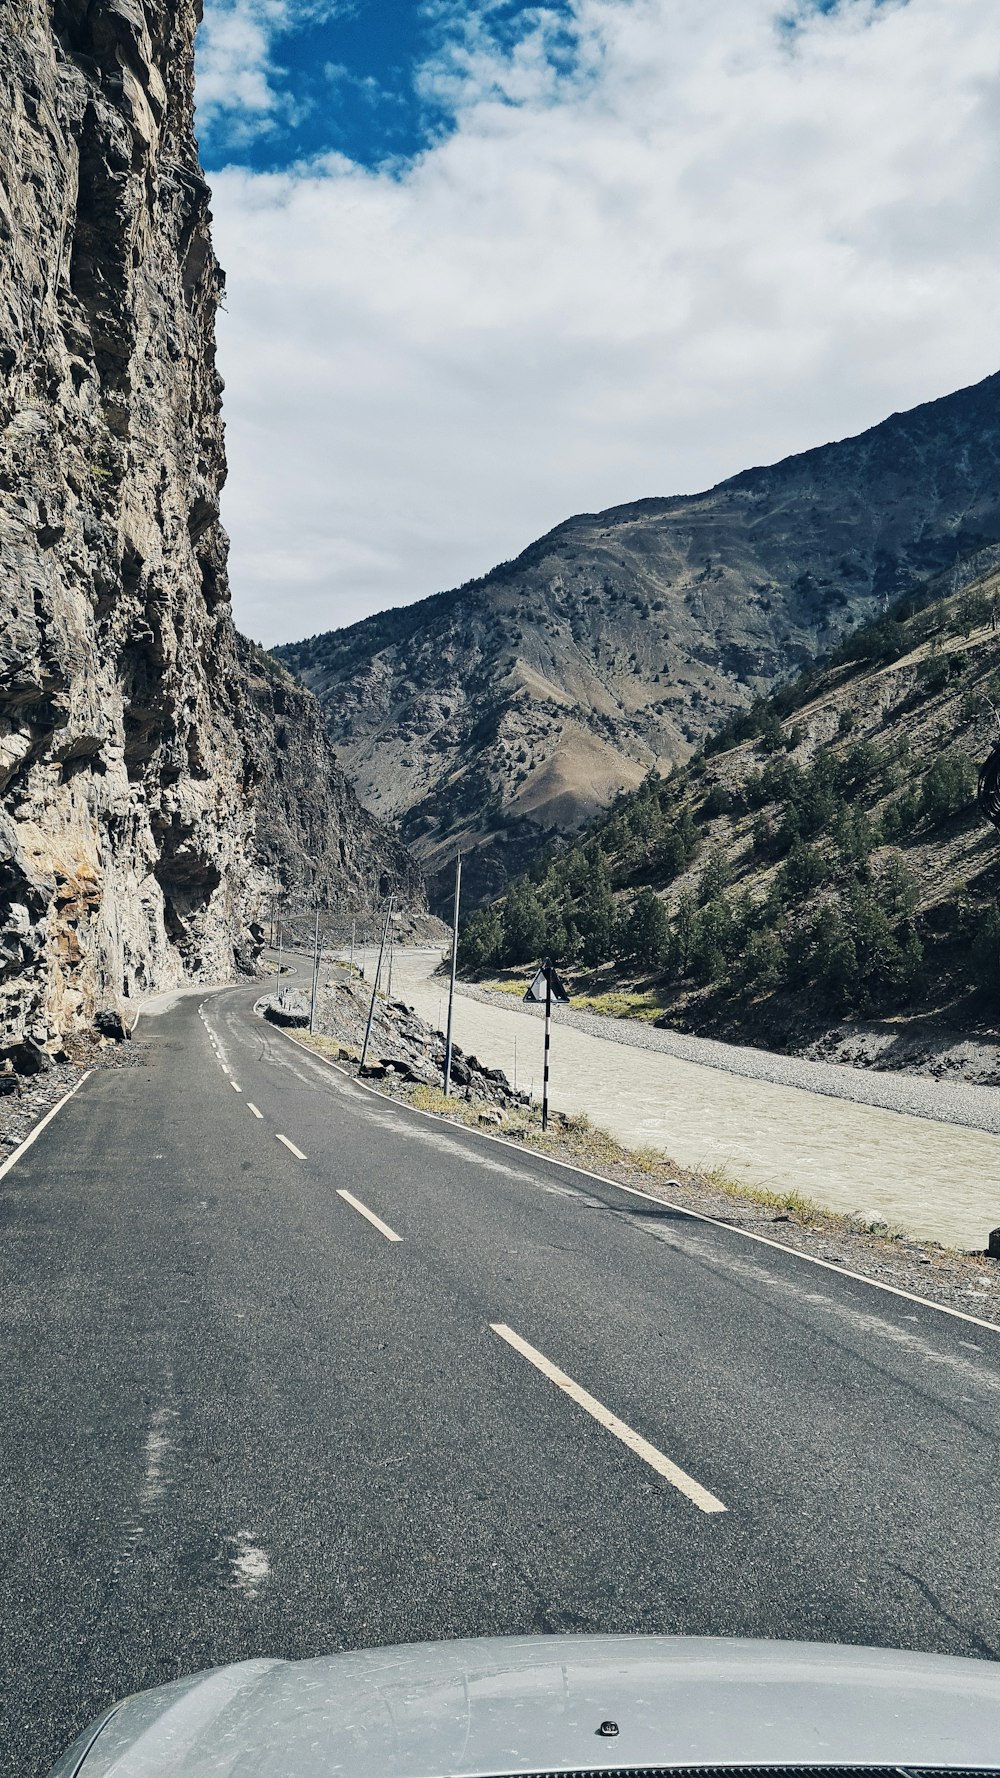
[
  {"x": 27, "y": 1057},
  {"x": 289, "y": 1013}
]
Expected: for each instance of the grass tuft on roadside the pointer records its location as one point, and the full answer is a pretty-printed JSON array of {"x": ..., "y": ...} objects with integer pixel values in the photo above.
[{"x": 576, "y": 1139}]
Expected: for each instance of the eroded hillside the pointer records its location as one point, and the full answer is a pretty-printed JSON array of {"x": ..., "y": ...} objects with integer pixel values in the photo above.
[
  {"x": 518, "y": 705},
  {"x": 824, "y": 860}
]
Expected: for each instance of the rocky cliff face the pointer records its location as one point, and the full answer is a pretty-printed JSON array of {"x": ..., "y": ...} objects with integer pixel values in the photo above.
[
  {"x": 519, "y": 704},
  {"x": 132, "y": 759},
  {"x": 309, "y": 826}
]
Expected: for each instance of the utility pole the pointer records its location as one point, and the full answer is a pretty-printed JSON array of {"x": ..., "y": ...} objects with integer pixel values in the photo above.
[
  {"x": 378, "y": 972},
  {"x": 454, "y": 966},
  {"x": 315, "y": 980},
  {"x": 279, "y": 943},
  {"x": 548, "y": 1041},
  {"x": 388, "y": 985},
  {"x": 354, "y": 924}
]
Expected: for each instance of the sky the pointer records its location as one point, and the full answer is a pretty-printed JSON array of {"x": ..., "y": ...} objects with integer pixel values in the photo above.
[{"x": 490, "y": 265}]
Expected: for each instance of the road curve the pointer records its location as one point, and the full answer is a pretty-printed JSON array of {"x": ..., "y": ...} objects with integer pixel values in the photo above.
[{"x": 289, "y": 1368}]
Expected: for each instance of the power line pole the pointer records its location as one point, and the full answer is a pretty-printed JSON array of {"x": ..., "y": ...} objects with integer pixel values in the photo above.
[
  {"x": 454, "y": 966},
  {"x": 315, "y": 979},
  {"x": 548, "y": 1040},
  {"x": 388, "y": 985},
  {"x": 378, "y": 972}
]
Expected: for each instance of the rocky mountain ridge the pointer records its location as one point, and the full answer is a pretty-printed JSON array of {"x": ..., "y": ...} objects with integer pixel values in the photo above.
[
  {"x": 819, "y": 878},
  {"x": 150, "y": 788},
  {"x": 518, "y": 705}
]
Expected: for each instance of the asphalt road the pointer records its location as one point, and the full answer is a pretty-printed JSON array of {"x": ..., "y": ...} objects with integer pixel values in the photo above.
[{"x": 237, "y": 1419}]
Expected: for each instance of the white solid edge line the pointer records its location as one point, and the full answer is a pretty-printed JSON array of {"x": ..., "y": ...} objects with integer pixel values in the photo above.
[
  {"x": 678, "y": 1478},
  {"x": 297, "y": 1152},
  {"x": 235, "y": 1088},
  {"x": 252, "y": 1107},
  {"x": 34, "y": 1134},
  {"x": 363, "y": 1210},
  {"x": 636, "y": 1191}
]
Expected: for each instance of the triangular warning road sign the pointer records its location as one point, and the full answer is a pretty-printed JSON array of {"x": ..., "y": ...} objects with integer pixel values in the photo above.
[
  {"x": 559, "y": 993},
  {"x": 547, "y": 977}
]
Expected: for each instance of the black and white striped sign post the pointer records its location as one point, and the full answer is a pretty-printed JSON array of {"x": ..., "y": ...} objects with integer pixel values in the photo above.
[{"x": 548, "y": 988}]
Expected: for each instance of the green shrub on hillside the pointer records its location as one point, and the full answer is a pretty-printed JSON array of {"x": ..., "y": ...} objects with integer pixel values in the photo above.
[
  {"x": 480, "y": 939},
  {"x": 803, "y": 870},
  {"x": 643, "y": 935},
  {"x": 524, "y": 923},
  {"x": 814, "y": 904},
  {"x": 763, "y": 963},
  {"x": 982, "y": 933},
  {"x": 948, "y": 786},
  {"x": 716, "y": 875}
]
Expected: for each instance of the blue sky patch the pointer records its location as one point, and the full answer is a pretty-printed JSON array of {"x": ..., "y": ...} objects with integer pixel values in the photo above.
[{"x": 349, "y": 77}]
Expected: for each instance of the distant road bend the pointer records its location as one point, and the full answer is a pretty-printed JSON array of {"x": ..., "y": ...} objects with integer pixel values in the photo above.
[{"x": 289, "y": 1368}]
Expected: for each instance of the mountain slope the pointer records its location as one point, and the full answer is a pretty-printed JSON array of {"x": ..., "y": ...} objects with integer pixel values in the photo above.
[
  {"x": 822, "y": 860},
  {"x": 519, "y": 703}
]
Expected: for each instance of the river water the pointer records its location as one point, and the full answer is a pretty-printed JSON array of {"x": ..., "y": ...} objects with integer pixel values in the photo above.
[{"x": 938, "y": 1181}]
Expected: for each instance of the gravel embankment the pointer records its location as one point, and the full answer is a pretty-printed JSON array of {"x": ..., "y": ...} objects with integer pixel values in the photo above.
[{"x": 949, "y": 1102}]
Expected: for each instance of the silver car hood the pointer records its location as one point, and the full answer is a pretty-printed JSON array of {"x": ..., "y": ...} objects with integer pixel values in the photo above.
[{"x": 535, "y": 1704}]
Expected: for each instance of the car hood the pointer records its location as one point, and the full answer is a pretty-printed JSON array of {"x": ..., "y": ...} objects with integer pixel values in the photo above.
[{"x": 535, "y": 1704}]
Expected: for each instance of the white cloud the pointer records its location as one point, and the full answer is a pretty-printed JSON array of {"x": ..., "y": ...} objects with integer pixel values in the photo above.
[
  {"x": 709, "y": 242},
  {"x": 240, "y": 85}
]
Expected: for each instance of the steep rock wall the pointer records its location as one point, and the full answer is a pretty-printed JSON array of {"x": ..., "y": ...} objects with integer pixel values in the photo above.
[
  {"x": 310, "y": 830},
  {"x": 129, "y": 784}
]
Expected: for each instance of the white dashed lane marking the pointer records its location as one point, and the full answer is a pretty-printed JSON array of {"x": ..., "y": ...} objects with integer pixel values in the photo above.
[
  {"x": 252, "y": 1107},
  {"x": 703, "y": 1500},
  {"x": 363, "y": 1210},
  {"x": 297, "y": 1152},
  {"x": 235, "y": 1088}
]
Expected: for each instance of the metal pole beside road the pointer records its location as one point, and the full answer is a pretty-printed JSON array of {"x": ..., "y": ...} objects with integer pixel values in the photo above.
[
  {"x": 454, "y": 966},
  {"x": 547, "y": 986},
  {"x": 548, "y": 1042},
  {"x": 315, "y": 980},
  {"x": 378, "y": 972}
]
